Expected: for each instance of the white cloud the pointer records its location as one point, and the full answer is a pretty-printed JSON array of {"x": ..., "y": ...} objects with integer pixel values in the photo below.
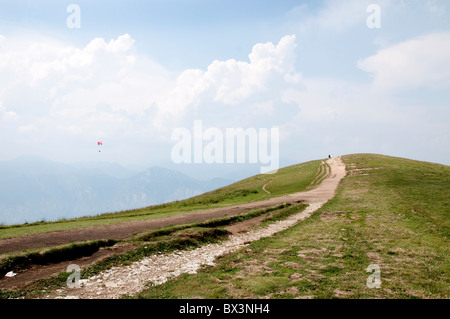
[
  {"x": 108, "y": 90},
  {"x": 419, "y": 62},
  {"x": 51, "y": 90},
  {"x": 65, "y": 82},
  {"x": 269, "y": 71}
]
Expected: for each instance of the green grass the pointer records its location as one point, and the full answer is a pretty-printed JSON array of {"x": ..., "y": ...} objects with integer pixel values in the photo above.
[
  {"x": 287, "y": 180},
  {"x": 392, "y": 212}
]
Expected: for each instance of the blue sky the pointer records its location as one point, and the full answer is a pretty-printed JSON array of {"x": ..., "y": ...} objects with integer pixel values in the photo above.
[
  {"x": 137, "y": 70},
  {"x": 179, "y": 34}
]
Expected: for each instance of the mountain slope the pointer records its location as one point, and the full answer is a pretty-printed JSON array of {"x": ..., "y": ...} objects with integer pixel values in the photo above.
[
  {"x": 287, "y": 180},
  {"x": 34, "y": 189}
]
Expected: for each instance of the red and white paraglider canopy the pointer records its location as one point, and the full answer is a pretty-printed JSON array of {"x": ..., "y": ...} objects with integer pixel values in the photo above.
[{"x": 99, "y": 144}]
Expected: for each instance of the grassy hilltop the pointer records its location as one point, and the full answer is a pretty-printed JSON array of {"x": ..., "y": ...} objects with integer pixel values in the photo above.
[{"x": 388, "y": 211}]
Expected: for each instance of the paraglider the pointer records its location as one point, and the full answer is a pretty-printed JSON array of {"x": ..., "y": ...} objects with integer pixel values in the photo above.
[{"x": 99, "y": 144}]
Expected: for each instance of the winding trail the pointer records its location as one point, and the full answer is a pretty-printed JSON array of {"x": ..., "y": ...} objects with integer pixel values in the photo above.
[
  {"x": 157, "y": 269},
  {"x": 264, "y": 187}
]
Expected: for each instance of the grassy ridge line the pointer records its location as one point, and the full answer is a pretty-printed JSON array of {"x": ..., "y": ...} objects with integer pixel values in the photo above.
[
  {"x": 387, "y": 211},
  {"x": 287, "y": 180}
]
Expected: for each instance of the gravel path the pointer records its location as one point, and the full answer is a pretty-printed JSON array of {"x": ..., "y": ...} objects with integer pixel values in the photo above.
[{"x": 157, "y": 269}]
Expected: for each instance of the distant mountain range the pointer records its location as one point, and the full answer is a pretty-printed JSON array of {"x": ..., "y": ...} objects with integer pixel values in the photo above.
[{"x": 34, "y": 189}]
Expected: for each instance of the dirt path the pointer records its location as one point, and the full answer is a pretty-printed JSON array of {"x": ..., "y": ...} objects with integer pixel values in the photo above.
[
  {"x": 159, "y": 268},
  {"x": 264, "y": 187}
]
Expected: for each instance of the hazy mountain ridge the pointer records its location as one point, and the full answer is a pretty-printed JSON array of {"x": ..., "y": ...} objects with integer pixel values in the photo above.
[{"x": 34, "y": 189}]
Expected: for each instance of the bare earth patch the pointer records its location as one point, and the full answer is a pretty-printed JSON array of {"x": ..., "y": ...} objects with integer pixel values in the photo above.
[
  {"x": 341, "y": 294},
  {"x": 326, "y": 216},
  {"x": 293, "y": 265}
]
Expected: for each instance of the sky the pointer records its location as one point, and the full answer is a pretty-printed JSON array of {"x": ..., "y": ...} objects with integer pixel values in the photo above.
[{"x": 130, "y": 73}]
